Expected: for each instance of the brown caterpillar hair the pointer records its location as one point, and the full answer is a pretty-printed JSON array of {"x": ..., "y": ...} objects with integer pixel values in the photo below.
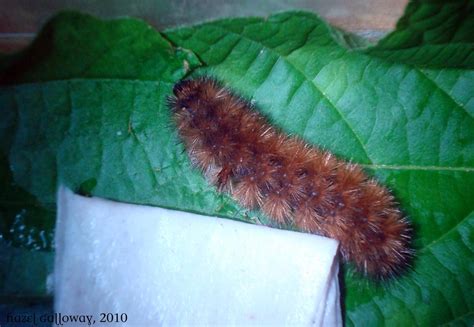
[{"x": 289, "y": 180}]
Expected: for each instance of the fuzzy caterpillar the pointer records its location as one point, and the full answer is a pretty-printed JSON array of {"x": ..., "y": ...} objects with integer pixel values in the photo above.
[{"x": 289, "y": 180}]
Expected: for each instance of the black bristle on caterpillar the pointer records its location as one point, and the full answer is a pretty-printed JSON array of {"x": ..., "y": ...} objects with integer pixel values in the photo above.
[{"x": 290, "y": 181}]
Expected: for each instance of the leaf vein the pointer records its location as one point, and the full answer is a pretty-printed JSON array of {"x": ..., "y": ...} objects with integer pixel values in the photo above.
[
  {"x": 451, "y": 230},
  {"x": 458, "y": 105}
]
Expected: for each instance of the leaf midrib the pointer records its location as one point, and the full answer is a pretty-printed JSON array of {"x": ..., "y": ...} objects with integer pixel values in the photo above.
[
  {"x": 417, "y": 167},
  {"x": 372, "y": 165},
  {"x": 303, "y": 74}
]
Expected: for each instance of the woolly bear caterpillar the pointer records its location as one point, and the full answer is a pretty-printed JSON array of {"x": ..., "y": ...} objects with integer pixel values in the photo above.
[{"x": 289, "y": 180}]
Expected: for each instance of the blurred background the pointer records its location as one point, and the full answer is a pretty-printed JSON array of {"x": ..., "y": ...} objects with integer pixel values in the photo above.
[{"x": 21, "y": 19}]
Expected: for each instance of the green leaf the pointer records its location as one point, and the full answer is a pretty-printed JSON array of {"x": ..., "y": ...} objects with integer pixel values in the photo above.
[
  {"x": 107, "y": 131},
  {"x": 432, "y": 33},
  {"x": 73, "y": 45},
  {"x": 70, "y": 46},
  {"x": 126, "y": 49},
  {"x": 411, "y": 127}
]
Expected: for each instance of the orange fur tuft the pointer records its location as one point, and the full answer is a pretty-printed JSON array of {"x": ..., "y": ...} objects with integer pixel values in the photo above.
[{"x": 289, "y": 180}]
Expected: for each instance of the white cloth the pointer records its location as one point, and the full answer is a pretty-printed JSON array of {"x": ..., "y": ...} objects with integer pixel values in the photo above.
[{"x": 163, "y": 267}]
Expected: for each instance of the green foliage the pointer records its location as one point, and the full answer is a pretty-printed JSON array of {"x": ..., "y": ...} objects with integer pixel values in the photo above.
[
  {"x": 85, "y": 106},
  {"x": 432, "y": 33}
]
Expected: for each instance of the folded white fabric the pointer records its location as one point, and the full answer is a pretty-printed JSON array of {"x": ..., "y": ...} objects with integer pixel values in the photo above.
[{"x": 163, "y": 267}]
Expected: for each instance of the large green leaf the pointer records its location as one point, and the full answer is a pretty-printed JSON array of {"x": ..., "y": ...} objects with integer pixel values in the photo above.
[
  {"x": 70, "y": 46},
  {"x": 102, "y": 127},
  {"x": 412, "y": 128},
  {"x": 432, "y": 33},
  {"x": 73, "y": 45},
  {"x": 111, "y": 138}
]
